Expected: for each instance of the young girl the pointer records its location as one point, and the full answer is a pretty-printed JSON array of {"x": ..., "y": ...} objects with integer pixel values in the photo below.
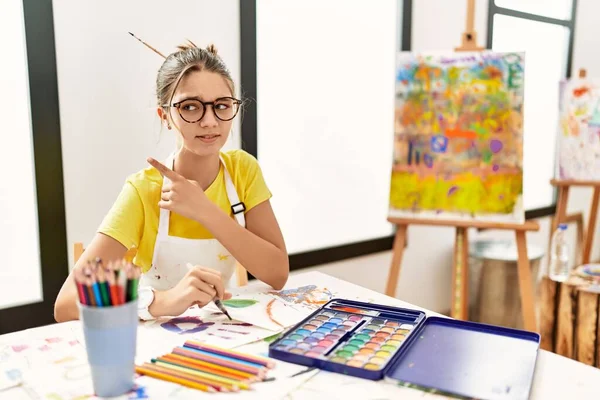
[{"x": 194, "y": 215}]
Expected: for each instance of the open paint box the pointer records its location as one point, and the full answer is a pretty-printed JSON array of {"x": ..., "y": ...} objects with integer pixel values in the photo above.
[{"x": 375, "y": 342}]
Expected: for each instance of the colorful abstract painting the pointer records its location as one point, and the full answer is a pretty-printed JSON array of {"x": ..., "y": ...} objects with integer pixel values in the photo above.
[
  {"x": 458, "y": 136},
  {"x": 579, "y": 132}
]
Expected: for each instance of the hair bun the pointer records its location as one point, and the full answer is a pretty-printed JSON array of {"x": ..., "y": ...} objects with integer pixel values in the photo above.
[
  {"x": 187, "y": 46},
  {"x": 211, "y": 48}
]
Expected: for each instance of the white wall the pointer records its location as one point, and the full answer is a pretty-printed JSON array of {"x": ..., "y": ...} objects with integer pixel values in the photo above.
[
  {"x": 106, "y": 82},
  {"x": 325, "y": 117}
]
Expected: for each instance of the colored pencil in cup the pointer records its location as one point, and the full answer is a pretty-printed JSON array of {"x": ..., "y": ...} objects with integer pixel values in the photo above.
[
  {"x": 81, "y": 289},
  {"x": 89, "y": 285},
  {"x": 174, "y": 379},
  {"x": 231, "y": 353},
  {"x": 122, "y": 284},
  {"x": 112, "y": 287},
  {"x": 103, "y": 287}
]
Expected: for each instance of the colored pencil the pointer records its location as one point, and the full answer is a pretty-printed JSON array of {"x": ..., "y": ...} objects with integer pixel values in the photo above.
[
  {"x": 184, "y": 375},
  {"x": 174, "y": 379},
  {"x": 209, "y": 373},
  {"x": 218, "y": 380},
  {"x": 83, "y": 298},
  {"x": 112, "y": 288},
  {"x": 88, "y": 285},
  {"x": 226, "y": 357},
  {"x": 233, "y": 373},
  {"x": 103, "y": 287},
  {"x": 193, "y": 354},
  {"x": 231, "y": 353},
  {"x": 122, "y": 285}
]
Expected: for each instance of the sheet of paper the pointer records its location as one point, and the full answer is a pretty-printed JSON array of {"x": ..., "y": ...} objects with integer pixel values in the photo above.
[{"x": 264, "y": 311}]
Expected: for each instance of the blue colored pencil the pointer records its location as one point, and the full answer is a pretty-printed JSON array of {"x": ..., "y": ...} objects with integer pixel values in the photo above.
[
  {"x": 97, "y": 294},
  {"x": 222, "y": 357}
]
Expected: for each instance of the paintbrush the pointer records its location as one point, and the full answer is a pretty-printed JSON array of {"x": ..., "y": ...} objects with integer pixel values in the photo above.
[
  {"x": 216, "y": 300},
  {"x": 221, "y": 307},
  {"x": 147, "y": 45}
]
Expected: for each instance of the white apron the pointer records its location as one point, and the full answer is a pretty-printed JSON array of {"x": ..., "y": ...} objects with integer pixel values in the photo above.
[{"x": 172, "y": 254}]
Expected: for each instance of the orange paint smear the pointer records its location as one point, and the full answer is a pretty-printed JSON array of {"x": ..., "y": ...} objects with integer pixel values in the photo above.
[
  {"x": 270, "y": 313},
  {"x": 457, "y": 133}
]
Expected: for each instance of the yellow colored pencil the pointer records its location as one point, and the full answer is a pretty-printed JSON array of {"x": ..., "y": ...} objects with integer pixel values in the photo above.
[
  {"x": 181, "y": 373},
  {"x": 203, "y": 364},
  {"x": 202, "y": 374},
  {"x": 174, "y": 379},
  {"x": 208, "y": 369}
]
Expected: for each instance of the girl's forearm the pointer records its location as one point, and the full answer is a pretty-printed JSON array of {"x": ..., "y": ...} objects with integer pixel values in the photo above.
[{"x": 261, "y": 258}]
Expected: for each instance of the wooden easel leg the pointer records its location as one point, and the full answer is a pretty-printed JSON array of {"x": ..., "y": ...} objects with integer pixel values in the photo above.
[
  {"x": 460, "y": 276},
  {"x": 525, "y": 283},
  {"x": 589, "y": 238},
  {"x": 397, "y": 251}
]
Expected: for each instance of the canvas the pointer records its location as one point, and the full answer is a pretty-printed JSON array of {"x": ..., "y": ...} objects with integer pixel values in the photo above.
[
  {"x": 458, "y": 136},
  {"x": 579, "y": 131}
]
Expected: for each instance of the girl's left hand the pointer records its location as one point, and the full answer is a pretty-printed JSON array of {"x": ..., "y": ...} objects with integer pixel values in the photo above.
[{"x": 182, "y": 196}]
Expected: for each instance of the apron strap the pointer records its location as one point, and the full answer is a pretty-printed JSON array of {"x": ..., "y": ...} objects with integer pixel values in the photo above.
[{"x": 237, "y": 207}]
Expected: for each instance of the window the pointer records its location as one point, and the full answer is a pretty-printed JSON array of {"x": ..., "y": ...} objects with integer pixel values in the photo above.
[
  {"x": 543, "y": 29},
  {"x": 32, "y": 228}
]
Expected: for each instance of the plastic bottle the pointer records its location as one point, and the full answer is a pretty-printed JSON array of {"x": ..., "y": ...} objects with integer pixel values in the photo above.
[{"x": 558, "y": 267}]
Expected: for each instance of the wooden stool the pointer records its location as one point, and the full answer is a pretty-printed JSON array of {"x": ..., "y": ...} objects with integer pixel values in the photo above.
[
  {"x": 494, "y": 280},
  {"x": 569, "y": 317}
]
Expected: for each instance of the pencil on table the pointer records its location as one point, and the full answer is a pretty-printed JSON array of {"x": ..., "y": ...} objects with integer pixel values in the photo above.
[
  {"x": 201, "y": 373},
  {"x": 230, "y": 372},
  {"x": 183, "y": 375},
  {"x": 230, "y": 364},
  {"x": 207, "y": 377},
  {"x": 231, "y": 353},
  {"x": 174, "y": 379},
  {"x": 225, "y": 356}
]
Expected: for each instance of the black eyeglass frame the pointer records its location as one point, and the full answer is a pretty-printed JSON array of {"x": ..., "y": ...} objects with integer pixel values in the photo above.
[{"x": 204, "y": 105}]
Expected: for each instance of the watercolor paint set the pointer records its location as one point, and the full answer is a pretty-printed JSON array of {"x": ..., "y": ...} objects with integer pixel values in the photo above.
[{"x": 374, "y": 341}]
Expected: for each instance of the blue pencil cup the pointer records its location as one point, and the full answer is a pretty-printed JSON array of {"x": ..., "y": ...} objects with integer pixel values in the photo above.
[{"x": 110, "y": 340}]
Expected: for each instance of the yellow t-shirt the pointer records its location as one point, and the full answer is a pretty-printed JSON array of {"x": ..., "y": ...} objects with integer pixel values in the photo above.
[{"x": 133, "y": 218}]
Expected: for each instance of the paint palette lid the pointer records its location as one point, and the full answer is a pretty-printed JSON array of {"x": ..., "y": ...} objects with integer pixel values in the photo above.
[{"x": 468, "y": 359}]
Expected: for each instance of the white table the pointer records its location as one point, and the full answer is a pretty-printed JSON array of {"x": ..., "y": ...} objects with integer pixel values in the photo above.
[{"x": 555, "y": 377}]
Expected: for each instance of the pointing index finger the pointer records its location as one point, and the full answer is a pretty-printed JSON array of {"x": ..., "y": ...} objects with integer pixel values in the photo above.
[{"x": 164, "y": 171}]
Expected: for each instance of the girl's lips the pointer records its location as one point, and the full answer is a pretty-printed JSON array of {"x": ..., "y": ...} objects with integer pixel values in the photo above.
[{"x": 208, "y": 138}]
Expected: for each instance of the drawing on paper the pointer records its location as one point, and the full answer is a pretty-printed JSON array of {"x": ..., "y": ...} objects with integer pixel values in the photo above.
[
  {"x": 310, "y": 295},
  {"x": 579, "y": 131},
  {"x": 458, "y": 136}
]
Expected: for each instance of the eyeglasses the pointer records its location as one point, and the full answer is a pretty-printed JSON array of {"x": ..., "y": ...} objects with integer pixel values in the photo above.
[{"x": 193, "y": 110}]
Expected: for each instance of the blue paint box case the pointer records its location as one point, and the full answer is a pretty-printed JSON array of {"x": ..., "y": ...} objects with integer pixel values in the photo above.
[{"x": 374, "y": 341}]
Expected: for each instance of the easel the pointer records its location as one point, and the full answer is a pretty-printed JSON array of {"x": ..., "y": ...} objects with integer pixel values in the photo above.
[
  {"x": 561, "y": 205},
  {"x": 561, "y": 211},
  {"x": 460, "y": 274}
]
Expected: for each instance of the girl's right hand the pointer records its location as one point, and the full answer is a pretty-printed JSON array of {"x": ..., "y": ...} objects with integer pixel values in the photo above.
[{"x": 199, "y": 287}]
